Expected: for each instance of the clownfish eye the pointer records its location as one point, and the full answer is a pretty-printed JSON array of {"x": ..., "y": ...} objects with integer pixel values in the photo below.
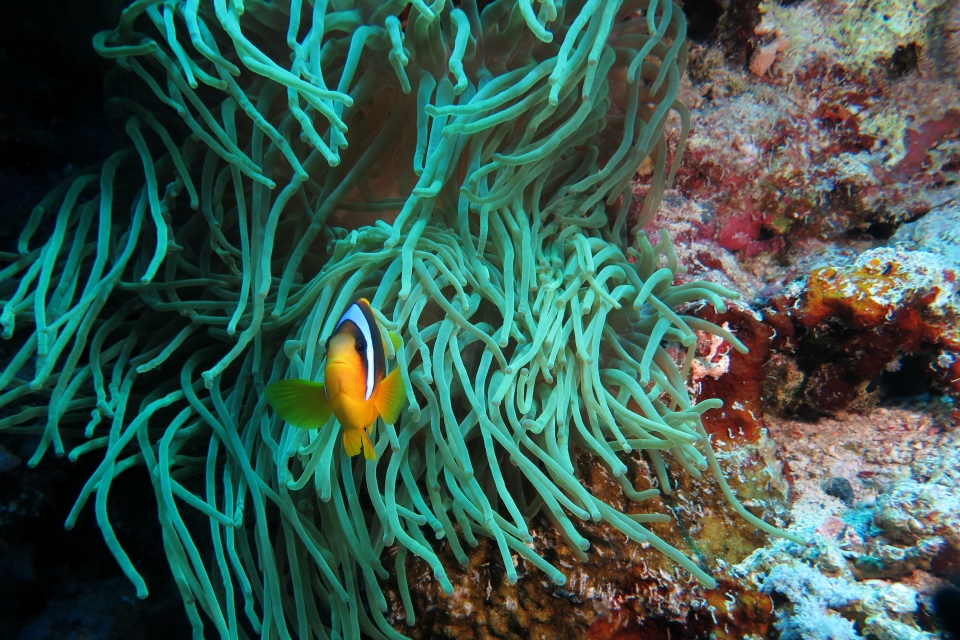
[{"x": 361, "y": 346}]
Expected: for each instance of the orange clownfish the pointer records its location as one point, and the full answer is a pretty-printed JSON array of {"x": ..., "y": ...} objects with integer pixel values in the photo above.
[{"x": 355, "y": 389}]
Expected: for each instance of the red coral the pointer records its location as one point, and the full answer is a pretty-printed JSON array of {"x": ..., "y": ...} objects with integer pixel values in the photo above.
[
  {"x": 741, "y": 231},
  {"x": 919, "y": 142},
  {"x": 741, "y": 388}
]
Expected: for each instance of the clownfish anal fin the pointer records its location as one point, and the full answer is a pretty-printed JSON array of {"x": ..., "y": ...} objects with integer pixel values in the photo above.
[
  {"x": 301, "y": 403},
  {"x": 390, "y": 396},
  {"x": 355, "y": 440}
]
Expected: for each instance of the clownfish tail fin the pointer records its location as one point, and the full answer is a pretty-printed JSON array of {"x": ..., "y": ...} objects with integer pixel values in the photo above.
[{"x": 352, "y": 442}]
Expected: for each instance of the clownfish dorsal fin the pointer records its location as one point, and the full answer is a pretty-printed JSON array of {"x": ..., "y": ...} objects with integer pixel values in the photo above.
[
  {"x": 396, "y": 340},
  {"x": 390, "y": 348},
  {"x": 389, "y": 397},
  {"x": 301, "y": 403}
]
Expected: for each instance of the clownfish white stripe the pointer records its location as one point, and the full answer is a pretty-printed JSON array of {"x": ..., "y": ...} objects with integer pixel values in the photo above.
[{"x": 355, "y": 315}]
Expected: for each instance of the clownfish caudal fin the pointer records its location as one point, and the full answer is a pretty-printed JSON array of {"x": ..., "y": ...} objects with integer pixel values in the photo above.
[
  {"x": 390, "y": 396},
  {"x": 356, "y": 439},
  {"x": 301, "y": 403}
]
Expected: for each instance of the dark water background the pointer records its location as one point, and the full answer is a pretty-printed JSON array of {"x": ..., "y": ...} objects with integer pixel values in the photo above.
[{"x": 56, "y": 583}]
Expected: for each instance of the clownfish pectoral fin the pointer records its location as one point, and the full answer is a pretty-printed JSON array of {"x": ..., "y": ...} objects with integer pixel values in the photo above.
[
  {"x": 301, "y": 403},
  {"x": 389, "y": 397},
  {"x": 356, "y": 439}
]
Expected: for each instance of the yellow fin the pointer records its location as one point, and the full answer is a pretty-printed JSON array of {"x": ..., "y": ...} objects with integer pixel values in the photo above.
[
  {"x": 396, "y": 340},
  {"x": 368, "y": 451},
  {"x": 390, "y": 347},
  {"x": 389, "y": 397},
  {"x": 352, "y": 442},
  {"x": 356, "y": 439},
  {"x": 301, "y": 403}
]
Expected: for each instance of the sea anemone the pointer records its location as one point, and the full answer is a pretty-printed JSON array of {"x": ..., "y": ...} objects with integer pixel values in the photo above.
[{"x": 471, "y": 174}]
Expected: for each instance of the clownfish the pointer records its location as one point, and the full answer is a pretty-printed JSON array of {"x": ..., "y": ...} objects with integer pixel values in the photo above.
[{"x": 355, "y": 389}]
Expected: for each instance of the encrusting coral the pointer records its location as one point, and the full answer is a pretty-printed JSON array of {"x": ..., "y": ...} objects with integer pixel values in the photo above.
[{"x": 502, "y": 145}]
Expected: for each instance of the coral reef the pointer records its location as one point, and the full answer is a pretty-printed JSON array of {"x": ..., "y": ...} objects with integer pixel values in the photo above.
[
  {"x": 842, "y": 329},
  {"x": 624, "y": 592},
  {"x": 876, "y": 560},
  {"x": 936, "y": 232},
  {"x": 741, "y": 385},
  {"x": 831, "y": 135},
  {"x": 488, "y": 174}
]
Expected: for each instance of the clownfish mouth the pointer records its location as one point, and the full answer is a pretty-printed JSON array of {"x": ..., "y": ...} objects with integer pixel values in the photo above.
[{"x": 338, "y": 362}]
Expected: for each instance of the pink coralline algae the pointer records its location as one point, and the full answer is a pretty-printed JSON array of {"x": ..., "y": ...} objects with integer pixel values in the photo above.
[{"x": 920, "y": 141}]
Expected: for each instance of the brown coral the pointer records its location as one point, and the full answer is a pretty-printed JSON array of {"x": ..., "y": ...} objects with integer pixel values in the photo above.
[{"x": 764, "y": 57}]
